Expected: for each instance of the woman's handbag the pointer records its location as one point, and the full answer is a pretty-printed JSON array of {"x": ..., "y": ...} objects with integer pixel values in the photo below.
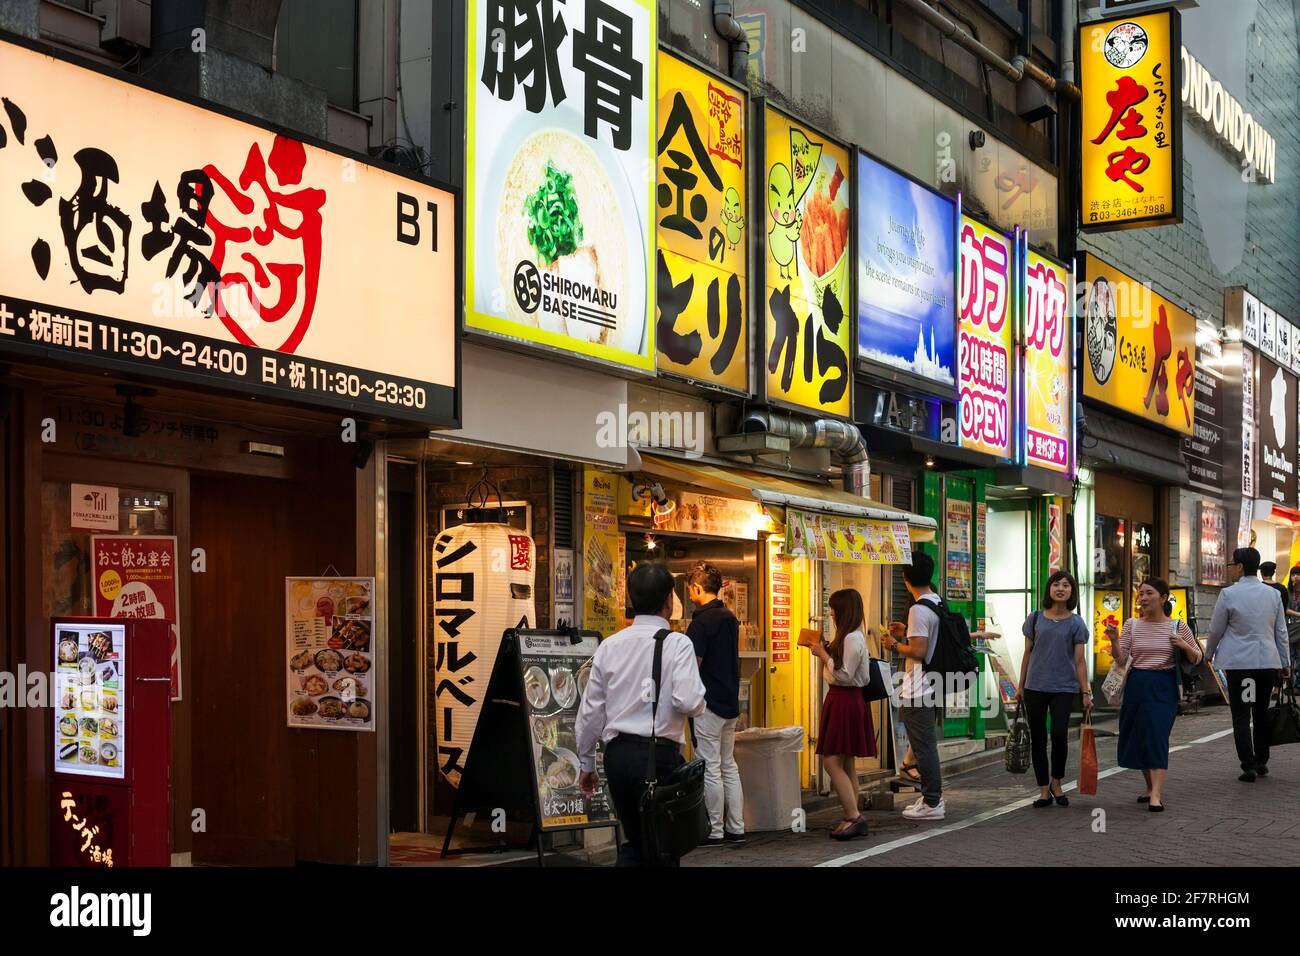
[
  {"x": 1113, "y": 686},
  {"x": 877, "y": 686},
  {"x": 1016, "y": 754},
  {"x": 674, "y": 818},
  {"x": 1284, "y": 717},
  {"x": 1087, "y": 757}
]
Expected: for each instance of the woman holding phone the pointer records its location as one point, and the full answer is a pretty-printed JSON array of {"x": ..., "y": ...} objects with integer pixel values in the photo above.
[
  {"x": 845, "y": 730},
  {"x": 1153, "y": 644}
]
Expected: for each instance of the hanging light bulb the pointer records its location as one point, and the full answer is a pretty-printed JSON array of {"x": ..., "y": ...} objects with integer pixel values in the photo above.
[{"x": 650, "y": 542}]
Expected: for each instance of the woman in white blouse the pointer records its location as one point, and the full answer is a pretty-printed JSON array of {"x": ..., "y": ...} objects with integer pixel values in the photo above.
[{"x": 845, "y": 730}]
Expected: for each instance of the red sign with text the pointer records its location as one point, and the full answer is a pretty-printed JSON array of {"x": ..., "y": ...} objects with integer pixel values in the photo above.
[{"x": 135, "y": 577}]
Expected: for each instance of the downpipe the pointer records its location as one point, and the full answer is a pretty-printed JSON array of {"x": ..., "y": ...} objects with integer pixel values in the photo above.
[
  {"x": 842, "y": 438},
  {"x": 729, "y": 28}
]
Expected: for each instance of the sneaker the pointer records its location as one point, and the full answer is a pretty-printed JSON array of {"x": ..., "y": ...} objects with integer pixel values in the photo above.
[
  {"x": 919, "y": 801},
  {"x": 923, "y": 811},
  {"x": 708, "y": 842},
  {"x": 735, "y": 839}
]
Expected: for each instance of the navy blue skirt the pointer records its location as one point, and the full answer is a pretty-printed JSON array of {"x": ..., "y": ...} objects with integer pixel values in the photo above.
[{"x": 1146, "y": 719}]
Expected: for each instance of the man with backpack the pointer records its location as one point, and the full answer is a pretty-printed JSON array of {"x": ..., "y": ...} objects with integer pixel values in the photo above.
[{"x": 920, "y": 704}]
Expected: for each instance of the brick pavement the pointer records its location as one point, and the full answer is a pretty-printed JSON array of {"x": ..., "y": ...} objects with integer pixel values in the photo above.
[{"x": 1212, "y": 820}]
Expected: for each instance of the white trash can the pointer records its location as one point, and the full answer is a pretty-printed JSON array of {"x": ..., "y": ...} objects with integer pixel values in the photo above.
[{"x": 769, "y": 775}]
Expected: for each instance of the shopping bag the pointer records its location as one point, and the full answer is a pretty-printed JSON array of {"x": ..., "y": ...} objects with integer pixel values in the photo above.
[
  {"x": 1015, "y": 756},
  {"x": 1087, "y": 757},
  {"x": 1113, "y": 686},
  {"x": 1284, "y": 717}
]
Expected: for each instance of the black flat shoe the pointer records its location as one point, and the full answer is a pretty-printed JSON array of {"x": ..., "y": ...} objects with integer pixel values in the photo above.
[
  {"x": 1156, "y": 807},
  {"x": 1247, "y": 776},
  {"x": 856, "y": 829},
  {"x": 1261, "y": 771},
  {"x": 1042, "y": 802},
  {"x": 1061, "y": 799},
  {"x": 1145, "y": 798}
]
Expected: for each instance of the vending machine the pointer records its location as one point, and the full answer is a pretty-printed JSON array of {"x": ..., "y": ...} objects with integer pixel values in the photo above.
[{"x": 111, "y": 742}]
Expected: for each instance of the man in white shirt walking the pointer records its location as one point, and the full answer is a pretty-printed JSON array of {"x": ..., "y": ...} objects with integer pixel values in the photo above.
[{"x": 616, "y": 709}]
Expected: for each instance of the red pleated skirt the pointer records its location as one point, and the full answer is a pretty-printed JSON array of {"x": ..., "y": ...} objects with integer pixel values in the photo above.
[{"x": 846, "y": 728}]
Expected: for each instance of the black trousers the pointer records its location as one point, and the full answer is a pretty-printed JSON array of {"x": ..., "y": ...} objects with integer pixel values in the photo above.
[
  {"x": 1251, "y": 753},
  {"x": 625, "y": 773},
  {"x": 1037, "y": 706}
]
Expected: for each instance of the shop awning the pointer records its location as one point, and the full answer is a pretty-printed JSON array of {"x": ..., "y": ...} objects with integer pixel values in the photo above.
[
  {"x": 1266, "y": 510},
  {"x": 777, "y": 494},
  {"x": 1118, "y": 445}
]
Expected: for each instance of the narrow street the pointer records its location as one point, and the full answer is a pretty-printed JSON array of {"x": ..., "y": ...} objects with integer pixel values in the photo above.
[{"x": 1212, "y": 820}]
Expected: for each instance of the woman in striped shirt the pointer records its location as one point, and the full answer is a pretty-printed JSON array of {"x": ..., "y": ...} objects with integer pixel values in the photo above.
[{"x": 1150, "y": 645}]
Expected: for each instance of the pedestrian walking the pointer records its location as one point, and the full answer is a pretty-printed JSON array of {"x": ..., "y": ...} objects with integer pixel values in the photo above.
[
  {"x": 1248, "y": 641},
  {"x": 1052, "y": 671},
  {"x": 920, "y": 711},
  {"x": 1293, "y": 624},
  {"x": 844, "y": 731},
  {"x": 1150, "y": 645},
  {"x": 1266, "y": 571},
  {"x": 715, "y": 632},
  {"x": 617, "y": 710}
]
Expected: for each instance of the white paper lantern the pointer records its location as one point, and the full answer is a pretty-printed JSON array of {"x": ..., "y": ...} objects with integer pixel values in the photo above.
[{"x": 483, "y": 576}]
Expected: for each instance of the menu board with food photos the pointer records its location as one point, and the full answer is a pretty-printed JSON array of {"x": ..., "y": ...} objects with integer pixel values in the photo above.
[
  {"x": 554, "y": 674},
  {"x": 329, "y": 625},
  {"x": 90, "y": 691}
]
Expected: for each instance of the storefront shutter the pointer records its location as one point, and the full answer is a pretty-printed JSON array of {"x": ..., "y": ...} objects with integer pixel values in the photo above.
[{"x": 902, "y": 493}]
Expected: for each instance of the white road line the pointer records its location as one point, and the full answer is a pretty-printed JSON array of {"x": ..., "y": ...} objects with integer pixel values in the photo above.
[{"x": 988, "y": 814}]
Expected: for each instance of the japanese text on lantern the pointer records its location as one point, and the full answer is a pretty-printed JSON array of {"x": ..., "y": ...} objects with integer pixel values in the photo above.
[
  {"x": 1130, "y": 121},
  {"x": 1047, "y": 387},
  {"x": 984, "y": 373},
  {"x": 701, "y": 274}
]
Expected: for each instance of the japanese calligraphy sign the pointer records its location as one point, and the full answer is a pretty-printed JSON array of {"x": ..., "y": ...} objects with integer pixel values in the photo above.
[
  {"x": 602, "y": 553},
  {"x": 846, "y": 540},
  {"x": 906, "y": 275},
  {"x": 1275, "y": 428},
  {"x": 135, "y": 577},
  {"x": 216, "y": 252},
  {"x": 985, "y": 327},
  {"x": 483, "y": 576},
  {"x": 328, "y": 627},
  {"x": 1048, "y": 394},
  {"x": 1140, "y": 347},
  {"x": 559, "y": 146},
  {"x": 1131, "y": 122},
  {"x": 90, "y": 826},
  {"x": 702, "y": 203},
  {"x": 809, "y": 332}
]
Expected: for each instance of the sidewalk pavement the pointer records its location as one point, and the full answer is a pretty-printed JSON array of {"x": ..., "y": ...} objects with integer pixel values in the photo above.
[{"x": 1212, "y": 818}]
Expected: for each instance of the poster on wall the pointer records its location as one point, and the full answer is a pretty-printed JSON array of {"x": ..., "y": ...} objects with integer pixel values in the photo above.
[
  {"x": 981, "y": 525},
  {"x": 1048, "y": 393},
  {"x": 328, "y": 626},
  {"x": 602, "y": 567},
  {"x": 808, "y": 327},
  {"x": 906, "y": 275},
  {"x": 781, "y": 624},
  {"x": 94, "y": 508},
  {"x": 1107, "y": 620},
  {"x": 702, "y": 272},
  {"x": 135, "y": 577},
  {"x": 1055, "y": 538},
  {"x": 1212, "y": 554},
  {"x": 1275, "y": 434},
  {"x": 559, "y": 226},
  {"x": 1143, "y": 538},
  {"x": 1248, "y": 455},
  {"x": 957, "y": 551},
  {"x": 1131, "y": 129},
  {"x": 1140, "y": 348},
  {"x": 216, "y": 252},
  {"x": 986, "y": 374}
]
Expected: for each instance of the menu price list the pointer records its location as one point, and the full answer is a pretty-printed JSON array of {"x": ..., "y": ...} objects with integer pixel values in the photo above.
[
  {"x": 90, "y": 719},
  {"x": 329, "y": 626}
]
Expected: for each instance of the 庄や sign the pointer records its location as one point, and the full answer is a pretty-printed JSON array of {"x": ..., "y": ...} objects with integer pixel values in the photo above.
[
  {"x": 560, "y": 141},
  {"x": 217, "y": 252},
  {"x": 1131, "y": 122}
]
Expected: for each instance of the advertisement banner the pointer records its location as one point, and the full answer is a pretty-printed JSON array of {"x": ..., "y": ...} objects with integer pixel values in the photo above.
[
  {"x": 1212, "y": 555},
  {"x": 702, "y": 273},
  {"x": 1248, "y": 423},
  {"x": 1055, "y": 537},
  {"x": 1203, "y": 449},
  {"x": 957, "y": 550},
  {"x": 1049, "y": 366},
  {"x": 906, "y": 275},
  {"x": 559, "y": 230},
  {"x": 846, "y": 540},
  {"x": 809, "y": 335},
  {"x": 1107, "y": 620},
  {"x": 1275, "y": 431},
  {"x": 1141, "y": 349},
  {"x": 328, "y": 625},
  {"x": 602, "y": 567},
  {"x": 985, "y": 370},
  {"x": 216, "y": 252},
  {"x": 1131, "y": 122},
  {"x": 135, "y": 577}
]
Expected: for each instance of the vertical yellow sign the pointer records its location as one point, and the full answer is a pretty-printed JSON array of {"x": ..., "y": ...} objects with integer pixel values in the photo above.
[
  {"x": 1049, "y": 349},
  {"x": 1131, "y": 129},
  {"x": 809, "y": 328},
  {"x": 702, "y": 204},
  {"x": 602, "y": 566}
]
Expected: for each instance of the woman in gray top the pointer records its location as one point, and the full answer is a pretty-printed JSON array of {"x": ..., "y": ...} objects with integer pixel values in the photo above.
[{"x": 1052, "y": 671}]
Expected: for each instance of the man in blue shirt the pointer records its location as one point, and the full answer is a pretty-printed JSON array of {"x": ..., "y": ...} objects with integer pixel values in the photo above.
[
  {"x": 1248, "y": 643},
  {"x": 715, "y": 632}
]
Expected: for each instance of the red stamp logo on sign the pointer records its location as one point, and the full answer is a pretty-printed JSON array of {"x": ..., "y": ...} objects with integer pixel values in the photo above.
[{"x": 521, "y": 552}]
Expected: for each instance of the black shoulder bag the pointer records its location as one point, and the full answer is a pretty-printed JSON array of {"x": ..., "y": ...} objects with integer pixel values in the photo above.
[{"x": 674, "y": 818}]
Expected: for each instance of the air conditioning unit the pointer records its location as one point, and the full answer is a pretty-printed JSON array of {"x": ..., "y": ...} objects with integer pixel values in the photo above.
[{"x": 126, "y": 22}]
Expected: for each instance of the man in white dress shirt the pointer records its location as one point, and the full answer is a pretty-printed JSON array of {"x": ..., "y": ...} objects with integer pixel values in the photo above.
[{"x": 616, "y": 708}]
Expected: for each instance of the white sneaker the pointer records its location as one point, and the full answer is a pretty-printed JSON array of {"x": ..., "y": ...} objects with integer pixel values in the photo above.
[
  {"x": 920, "y": 811},
  {"x": 915, "y": 803}
]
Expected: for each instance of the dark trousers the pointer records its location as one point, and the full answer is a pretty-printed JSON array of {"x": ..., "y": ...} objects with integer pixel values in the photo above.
[
  {"x": 625, "y": 773},
  {"x": 1037, "y": 706},
  {"x": 1251, "y": 753}
]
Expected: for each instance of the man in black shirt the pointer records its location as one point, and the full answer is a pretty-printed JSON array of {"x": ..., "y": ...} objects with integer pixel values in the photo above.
[
  {"x": 1266, "y": 571},
  {"x": 715, "y": 632}
]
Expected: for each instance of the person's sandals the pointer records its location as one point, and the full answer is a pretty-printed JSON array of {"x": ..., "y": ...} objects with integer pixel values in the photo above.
[
  {"x": 1145, "y": 798},
  {"x": 1042, "y": 802},
  {"x": 1061, "y": 799},
  {"x": 1156, "y": 807},
  {"x": 850, "y": 829},
  {"x": 914, "y": 776}
]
